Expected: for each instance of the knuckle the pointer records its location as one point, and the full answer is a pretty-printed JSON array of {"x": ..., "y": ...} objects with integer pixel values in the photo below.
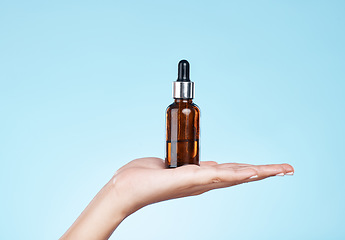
[
  {"x": 215, "y": 174},
  {"x": 216, "y": 180}
]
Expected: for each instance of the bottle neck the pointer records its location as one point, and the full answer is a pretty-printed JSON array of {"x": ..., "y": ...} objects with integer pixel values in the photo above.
[
  {"x": 183, "y": 89},
  {"x": 182, "y": 100}
]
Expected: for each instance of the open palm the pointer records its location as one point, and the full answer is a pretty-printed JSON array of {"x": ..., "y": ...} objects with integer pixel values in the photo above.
[{"x": 146, "y": 180}]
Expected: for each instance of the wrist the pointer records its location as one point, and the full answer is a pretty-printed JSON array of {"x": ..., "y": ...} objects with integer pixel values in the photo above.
[
  {"x": 121, "y": 194},
  {"x": 100, "y": 218}
]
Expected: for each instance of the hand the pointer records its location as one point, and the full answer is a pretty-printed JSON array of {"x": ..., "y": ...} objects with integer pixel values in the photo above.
[{"x": 146, "y": 180}]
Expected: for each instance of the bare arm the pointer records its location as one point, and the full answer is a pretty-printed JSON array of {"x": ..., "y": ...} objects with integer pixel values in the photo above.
[{"x": 145, "y": 181}]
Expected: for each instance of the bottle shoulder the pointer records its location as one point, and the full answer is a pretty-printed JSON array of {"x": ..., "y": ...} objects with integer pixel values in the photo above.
[
  {"x": 196, "y": 107},
  {"x": 171, "y": 106},
  {"x": 180, "y": 106}
]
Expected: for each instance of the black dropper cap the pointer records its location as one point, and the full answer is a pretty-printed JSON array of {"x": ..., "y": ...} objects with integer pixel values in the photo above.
[
  {"x": 183, "y": 71},
  {"x": 183, "y": 88}
]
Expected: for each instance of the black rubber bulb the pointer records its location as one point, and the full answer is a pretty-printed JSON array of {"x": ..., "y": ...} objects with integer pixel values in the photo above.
[{"x": 183, "y": 71}]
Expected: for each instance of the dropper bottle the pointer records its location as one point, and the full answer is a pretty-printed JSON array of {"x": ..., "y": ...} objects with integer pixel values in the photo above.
[{"x": 182, "y": 122}]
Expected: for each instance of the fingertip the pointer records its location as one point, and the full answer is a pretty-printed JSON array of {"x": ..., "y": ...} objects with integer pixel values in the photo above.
[{"x": 288, "y": 168}]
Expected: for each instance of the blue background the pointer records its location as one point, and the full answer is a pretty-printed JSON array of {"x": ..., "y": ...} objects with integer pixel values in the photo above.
[{"x": 83, "y": 90}]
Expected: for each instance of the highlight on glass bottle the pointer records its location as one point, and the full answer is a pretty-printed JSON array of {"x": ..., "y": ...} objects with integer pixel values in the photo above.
[{"x": 182, "y": 122}]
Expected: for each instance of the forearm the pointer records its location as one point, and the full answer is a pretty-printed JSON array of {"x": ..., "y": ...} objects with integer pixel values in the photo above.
[{"x": 100, "y": 218}]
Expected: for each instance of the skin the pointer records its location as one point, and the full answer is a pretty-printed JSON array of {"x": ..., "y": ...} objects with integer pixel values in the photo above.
[{"x": 146, "y": 180}]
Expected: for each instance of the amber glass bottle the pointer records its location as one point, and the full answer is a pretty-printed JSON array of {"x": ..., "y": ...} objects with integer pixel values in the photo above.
[{"x": 182, "y": 122}]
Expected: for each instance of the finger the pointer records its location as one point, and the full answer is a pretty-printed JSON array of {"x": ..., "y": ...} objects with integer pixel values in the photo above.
[
  {"x": 236, "y": 174},
  {"x": 203, "y": 176},
  {"x": 289, "y": 169},
  {"x": 228, "y": 165},
  {"x": 265, "y": 171},
  {"x": 224, "y": 178},
  {"x": 262, "y": 172},
  {"x": 239, "y": 173},
  {"x": 205, "y": 179},
  {"x": 208, "y": 163},
  {"x": 146, "y": 162}
]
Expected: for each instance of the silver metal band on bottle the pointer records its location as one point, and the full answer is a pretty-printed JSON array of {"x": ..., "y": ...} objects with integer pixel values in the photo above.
[{"x": 184, "y": 90}]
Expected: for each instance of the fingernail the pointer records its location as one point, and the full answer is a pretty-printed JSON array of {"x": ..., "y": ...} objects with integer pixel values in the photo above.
[
  {"x": 255, "y": 176},
  {"x": 280, "y": 174},
  {"x": 289, "y": 173}
]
